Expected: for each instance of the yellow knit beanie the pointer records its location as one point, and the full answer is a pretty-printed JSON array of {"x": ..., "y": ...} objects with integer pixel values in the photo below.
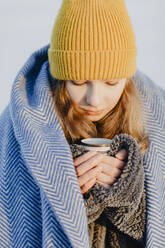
[{"x": 92, "y": 40}]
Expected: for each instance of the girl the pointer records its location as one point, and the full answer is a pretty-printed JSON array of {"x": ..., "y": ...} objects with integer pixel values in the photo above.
[
  {"x": 100, "y": 108},
  {"x": 84, "y": 84}
]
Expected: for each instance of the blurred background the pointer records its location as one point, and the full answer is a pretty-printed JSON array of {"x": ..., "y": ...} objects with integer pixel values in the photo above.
[{"x": 26, "y": 26}]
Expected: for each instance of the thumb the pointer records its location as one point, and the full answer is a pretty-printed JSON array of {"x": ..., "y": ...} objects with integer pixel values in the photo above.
[{"x": 122, "y": 154}]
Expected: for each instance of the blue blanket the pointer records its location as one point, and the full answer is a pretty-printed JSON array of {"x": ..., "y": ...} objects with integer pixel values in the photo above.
[{"x": 41, "y": 204}]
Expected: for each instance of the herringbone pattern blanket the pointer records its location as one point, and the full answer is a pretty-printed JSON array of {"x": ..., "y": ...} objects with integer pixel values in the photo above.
[{"x": 40, "y": 200}]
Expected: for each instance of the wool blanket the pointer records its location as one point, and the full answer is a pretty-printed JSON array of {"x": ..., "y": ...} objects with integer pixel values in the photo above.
[{"x": 41, "y": 204}]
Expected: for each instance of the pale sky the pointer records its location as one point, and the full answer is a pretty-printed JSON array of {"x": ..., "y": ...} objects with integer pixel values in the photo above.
[{"x": 25, "y": 26}]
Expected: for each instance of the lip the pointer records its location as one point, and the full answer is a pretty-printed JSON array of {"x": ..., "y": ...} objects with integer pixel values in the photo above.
[{"x": 93, "y": 112}]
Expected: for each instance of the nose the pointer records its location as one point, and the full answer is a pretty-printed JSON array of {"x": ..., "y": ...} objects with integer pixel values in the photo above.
[{"x": 93, "y": 97}]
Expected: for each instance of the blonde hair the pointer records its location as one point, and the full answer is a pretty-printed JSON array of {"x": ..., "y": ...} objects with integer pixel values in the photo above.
[{"x": 126, "y": 117}]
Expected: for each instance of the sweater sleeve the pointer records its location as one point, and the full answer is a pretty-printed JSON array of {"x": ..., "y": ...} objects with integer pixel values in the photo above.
[{"x": 124, "y": 202}]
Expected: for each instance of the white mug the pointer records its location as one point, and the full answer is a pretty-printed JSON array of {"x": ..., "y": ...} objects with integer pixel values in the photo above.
[{"x": 96, "y": 144}]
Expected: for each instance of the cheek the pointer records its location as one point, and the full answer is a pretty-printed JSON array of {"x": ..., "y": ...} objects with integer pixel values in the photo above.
[
  {"x": 113, "y": 97},
  {"x": 76, "y": 94}
]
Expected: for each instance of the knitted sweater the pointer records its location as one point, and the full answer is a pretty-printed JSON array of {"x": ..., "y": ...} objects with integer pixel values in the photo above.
[{"x": 116, "y": 215}]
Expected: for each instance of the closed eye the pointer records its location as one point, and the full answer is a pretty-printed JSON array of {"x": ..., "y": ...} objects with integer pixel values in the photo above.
[
  {"x": 112, "y": 83},
  {"x": 78, "y": 84}
]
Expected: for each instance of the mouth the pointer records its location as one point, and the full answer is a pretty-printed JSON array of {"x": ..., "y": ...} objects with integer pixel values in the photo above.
[{"x": 93, "y": 112}]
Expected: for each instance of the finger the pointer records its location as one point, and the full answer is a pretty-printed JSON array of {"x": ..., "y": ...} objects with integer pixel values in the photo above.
[
  {"x": 84, "y": 157},
  {"x": 104, "y": 184},
  {"x": 103, "y": 178},
  {"x": 110, "y": 170},
  {"x": 88, "y": 176},
  {"x": 122, "y": 154},
  {"x": 88, "y": 185},
  {"x": 89, "y": 164},
  {"x": 114, "y": 162}
]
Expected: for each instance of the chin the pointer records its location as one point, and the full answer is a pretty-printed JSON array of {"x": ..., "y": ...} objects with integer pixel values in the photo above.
[{"x": 96, "y": 118}]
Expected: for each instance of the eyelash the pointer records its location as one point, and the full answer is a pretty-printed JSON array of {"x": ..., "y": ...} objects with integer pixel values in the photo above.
[
  {"x": 85, "y": 83},
  {"x": 78, "y": 84},
  {"x": 112, "y": 84}
]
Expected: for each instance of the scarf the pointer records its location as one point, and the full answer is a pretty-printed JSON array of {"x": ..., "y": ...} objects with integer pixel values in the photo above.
[{"x": 41, "y": 204}]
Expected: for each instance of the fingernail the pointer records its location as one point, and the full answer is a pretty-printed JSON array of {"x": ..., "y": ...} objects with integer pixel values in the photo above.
[{"x": 120, "y": 154}]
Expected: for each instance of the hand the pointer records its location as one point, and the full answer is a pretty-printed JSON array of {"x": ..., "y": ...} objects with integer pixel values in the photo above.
[
  {"x": 92, "y": 166},
  {"x": 111, "y": 168},
  {"x": 87, "y": 169}
]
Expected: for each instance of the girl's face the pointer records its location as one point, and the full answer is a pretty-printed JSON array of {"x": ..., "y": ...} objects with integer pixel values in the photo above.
[{"x": 96, "y": 98}]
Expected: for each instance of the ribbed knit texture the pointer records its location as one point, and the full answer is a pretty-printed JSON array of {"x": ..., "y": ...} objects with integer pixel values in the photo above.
[{"x": 92, "y": 39}]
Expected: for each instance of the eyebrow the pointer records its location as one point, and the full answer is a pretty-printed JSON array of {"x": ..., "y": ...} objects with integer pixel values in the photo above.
[{"x": 111, "y": 80}]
